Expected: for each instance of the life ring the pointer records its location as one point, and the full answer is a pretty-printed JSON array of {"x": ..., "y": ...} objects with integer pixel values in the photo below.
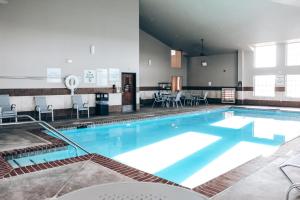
[{"x": 72, "y": 82}]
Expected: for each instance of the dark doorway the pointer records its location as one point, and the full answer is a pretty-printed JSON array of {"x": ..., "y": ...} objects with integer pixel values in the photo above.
[{"x": 128, "y": 92}]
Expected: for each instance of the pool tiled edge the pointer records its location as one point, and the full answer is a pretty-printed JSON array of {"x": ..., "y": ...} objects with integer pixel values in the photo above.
[
  {"x": 5, "y": 168},
  {"x": 128, "y": 171},
  {"x": 228, "y": 179},
  {"x": 135, "y": 117},
  {"x": 123, "y": 169}
]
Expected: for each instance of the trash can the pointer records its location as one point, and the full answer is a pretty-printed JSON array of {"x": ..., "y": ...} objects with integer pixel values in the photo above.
[{"x": 102, "y": 107}]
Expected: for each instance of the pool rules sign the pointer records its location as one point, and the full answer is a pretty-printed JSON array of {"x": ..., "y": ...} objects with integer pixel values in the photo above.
[
  {"x": 280, "y": 81},
  {"x": 89, "y": 76}
]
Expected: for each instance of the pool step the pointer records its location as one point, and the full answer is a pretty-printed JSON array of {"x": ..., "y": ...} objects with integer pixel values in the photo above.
[
  {"x": 34, "y": 159},
  {"x": 17, "y": 163},
  {"x": 34, "y": 163},
  {"x": 33, "y": 153}
]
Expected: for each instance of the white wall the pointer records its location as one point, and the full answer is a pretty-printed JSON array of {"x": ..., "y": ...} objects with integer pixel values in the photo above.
[
  {"x": 40, "y": 34},
  {"x": 36, "y": 34},
  {"x": 160, "y": 69},
  {"x": 221, "y": 70}
]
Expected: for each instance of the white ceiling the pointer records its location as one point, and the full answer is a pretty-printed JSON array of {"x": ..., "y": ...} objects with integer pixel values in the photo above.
[{"x": 225, "y": 25}]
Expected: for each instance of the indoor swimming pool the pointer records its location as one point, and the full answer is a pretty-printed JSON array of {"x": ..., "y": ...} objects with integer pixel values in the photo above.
[{"x": 188, "y": 149}]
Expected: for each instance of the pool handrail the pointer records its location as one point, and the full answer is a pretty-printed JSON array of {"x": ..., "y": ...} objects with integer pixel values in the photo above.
[{"x": 47, "y": 127}]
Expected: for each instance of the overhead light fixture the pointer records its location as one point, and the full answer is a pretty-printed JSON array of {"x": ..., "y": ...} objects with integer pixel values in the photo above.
[
  {"x": 149, "y": 62},
  {"x": 92, "y": 49},
  {"x": 173, "y": 52},
  {"x": 203, "y": 61}
]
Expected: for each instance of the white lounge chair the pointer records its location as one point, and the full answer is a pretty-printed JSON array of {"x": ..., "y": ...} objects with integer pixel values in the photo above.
[
  {"x": 293, "y": 186},
  {"x": 79, "y": 105},
  {"x": 177, "y": 100},
  {"x": 204, "y": 98},
  {"x": 7, "y": 110},
  {"x": 293, "y": 162},
  {"x": 189, "y": 99},
  {"x": 42, "y": 107},
  {"x": 158, "y": 99}
]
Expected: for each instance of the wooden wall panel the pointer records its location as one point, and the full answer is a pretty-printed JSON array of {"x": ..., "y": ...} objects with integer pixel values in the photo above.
[{"x": 176, "y": 59}]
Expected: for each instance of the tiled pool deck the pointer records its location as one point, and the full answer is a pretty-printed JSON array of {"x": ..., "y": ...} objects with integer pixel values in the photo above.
[{"x": 209, "y": 189}]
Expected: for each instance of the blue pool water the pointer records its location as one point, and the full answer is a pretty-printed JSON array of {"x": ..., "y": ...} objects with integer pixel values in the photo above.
[{"x": 178, "y": 147}]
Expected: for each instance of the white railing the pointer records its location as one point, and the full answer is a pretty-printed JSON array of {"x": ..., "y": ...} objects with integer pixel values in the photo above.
[{"x": 48, "y": 127}]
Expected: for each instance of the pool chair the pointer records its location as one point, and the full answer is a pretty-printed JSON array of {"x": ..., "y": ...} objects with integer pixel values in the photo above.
[
  {"x": 189, "y": 99},
  {"x": 78, "y": 105},
  {"x": 41, "y": 107},
  {"x": 134, "y": 191},
  {"x": 293, "y": 162},
  {"x": 7, "y": 110},
  {"x": 204, "y": 98},
  {"x": 292, "y": 187},
  {"x": 177, "y": 100},
  {"x": 158, "y": 99}
]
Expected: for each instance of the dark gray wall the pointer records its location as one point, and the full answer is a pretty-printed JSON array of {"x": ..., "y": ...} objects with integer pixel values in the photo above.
[{"x": 221, "y": 70}]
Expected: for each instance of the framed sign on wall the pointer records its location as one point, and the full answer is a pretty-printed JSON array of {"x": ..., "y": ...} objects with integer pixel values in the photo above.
[
  {"x": 102, "y": 77},
  {"x": 54, "y": 75},
  {"x": 280, "y": 81},
  {"x": 115, "y": 77},
  {"x": 89, "y": 76}
]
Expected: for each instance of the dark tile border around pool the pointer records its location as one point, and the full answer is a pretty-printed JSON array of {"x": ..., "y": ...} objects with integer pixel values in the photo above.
[
  {"x": 228, "y": 179},
  {"x": 209, "y": 189}
]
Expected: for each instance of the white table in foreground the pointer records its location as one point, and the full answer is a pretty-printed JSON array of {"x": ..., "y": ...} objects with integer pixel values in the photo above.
[{"x": 133, "y": 191}]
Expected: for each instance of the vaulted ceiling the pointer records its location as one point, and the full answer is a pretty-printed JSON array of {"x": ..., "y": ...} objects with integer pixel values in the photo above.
[{"x": 225, "y": 25}]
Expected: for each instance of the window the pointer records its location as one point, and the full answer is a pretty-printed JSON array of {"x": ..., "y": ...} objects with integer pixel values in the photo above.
[
  {"x": 176, "y": 83},
  {"x": 292, "y": 85},
  {"x": 293, "y": 54},
  {"x": 264, "y": 85},
  {"x": 265, "y": 56}
]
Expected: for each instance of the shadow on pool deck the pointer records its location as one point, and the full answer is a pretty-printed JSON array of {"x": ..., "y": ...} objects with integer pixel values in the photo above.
[
  {"x": 57, "y": 181},
  {"x": 17, "y": 138}
]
